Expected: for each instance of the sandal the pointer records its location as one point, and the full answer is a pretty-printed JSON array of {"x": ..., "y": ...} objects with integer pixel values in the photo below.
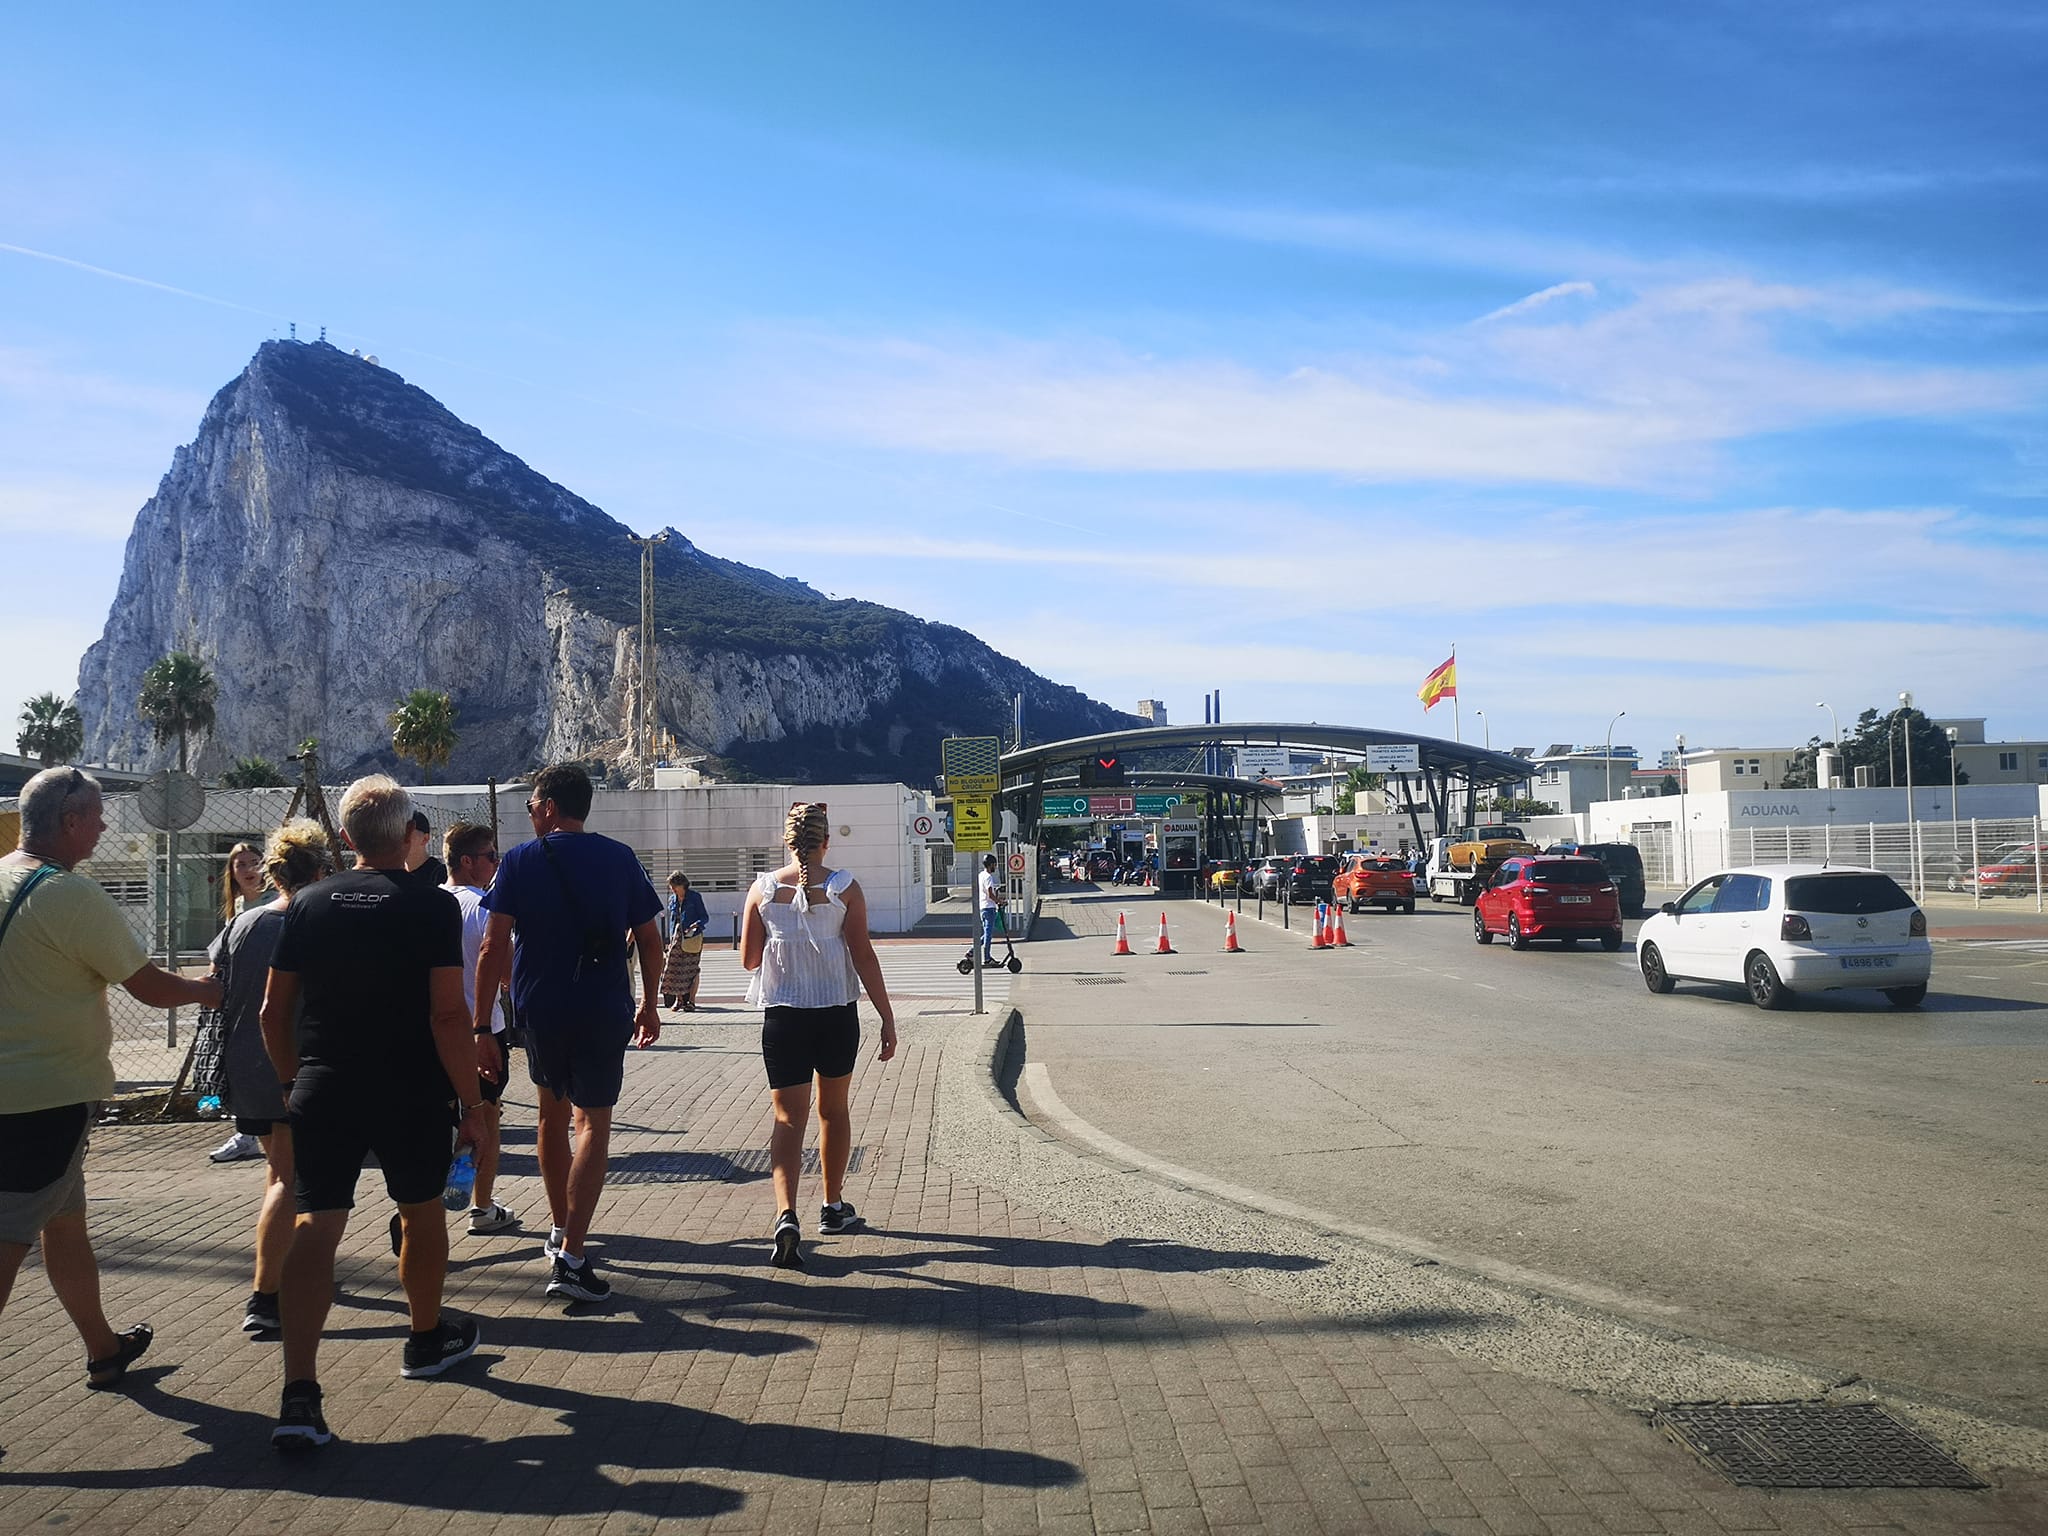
[{"x": 104, "y": 1375}]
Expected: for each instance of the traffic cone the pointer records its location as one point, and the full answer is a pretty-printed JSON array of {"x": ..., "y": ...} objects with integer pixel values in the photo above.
[
  {"x": 1123, "y": 942},
  {"x": 1165, "y": 944},
  {"x": 1230, "y": 944},
  {"x": 1322, "y": 936},
  {"x": 1340, "y": 938}
]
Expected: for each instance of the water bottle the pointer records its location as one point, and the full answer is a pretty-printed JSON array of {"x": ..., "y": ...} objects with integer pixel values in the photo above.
[
  {"x": 461, "y": 1181},
  {"x": 210, "y": 1105}
]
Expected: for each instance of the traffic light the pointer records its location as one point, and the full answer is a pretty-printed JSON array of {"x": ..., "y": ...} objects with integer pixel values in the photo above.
[{"x": 1108, "y": 770}]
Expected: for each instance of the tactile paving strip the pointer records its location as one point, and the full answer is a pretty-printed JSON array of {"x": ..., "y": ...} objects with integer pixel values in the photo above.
[
  {"x": 707, "y": 1167},
  {"x": 1811, "y": 1445}
]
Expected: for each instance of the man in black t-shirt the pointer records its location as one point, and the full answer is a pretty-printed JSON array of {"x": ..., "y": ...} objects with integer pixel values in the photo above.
[{"x": 383, "y": 1049}]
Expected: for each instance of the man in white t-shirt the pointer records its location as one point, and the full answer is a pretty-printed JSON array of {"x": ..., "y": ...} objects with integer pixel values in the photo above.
[
  {"x": 472, "y": 856},
  {"x": 990, "y": 900}
]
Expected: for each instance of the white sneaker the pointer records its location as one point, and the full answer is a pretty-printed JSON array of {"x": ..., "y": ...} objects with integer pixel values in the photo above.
[
  {"x": 489, "y": 1218},
  {"x": 551, "y": 1250},
  {"x": 236, "y": 1149}
]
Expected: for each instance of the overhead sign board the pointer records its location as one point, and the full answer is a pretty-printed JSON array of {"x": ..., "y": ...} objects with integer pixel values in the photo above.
[
  {"x": 972, "y": 765},
  {"x": 1097, "y": 806},
  {"x": 1395, "y": 757},
  {"x": 1262, "y": 762},
  {"x": 974, "y": 824}
]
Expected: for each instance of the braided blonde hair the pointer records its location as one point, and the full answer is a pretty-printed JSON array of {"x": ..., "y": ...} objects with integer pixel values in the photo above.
[
  {"x": 298, "y": 854},
  {"x": 807, "y": 830}
]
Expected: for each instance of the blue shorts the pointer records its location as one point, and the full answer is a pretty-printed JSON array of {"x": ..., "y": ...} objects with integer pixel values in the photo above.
[{"x": 583, "y": 1062}]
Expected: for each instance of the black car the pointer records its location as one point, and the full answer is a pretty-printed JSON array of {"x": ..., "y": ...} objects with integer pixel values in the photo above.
[
  {"x": 1624, "y": 865},
  {"x": 1310, "y": 877}
]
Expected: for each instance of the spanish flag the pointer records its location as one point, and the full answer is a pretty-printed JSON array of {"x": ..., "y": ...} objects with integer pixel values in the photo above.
[{"x": 1440, "y": 684}]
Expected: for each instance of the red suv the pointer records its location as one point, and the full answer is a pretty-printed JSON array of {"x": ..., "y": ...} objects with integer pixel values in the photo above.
[{"x": 1567, "y": 899}]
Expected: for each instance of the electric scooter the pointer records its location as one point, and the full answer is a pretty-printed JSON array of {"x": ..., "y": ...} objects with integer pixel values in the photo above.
[{"x": 965, "y": 965}]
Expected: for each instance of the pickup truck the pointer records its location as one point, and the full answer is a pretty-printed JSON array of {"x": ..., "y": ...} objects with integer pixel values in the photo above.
[
  {"x": 1460, "y": 866},
  {"x": 1368, "y": 879}
]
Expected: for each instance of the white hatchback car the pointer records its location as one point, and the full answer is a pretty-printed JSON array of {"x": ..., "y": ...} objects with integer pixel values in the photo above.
[{"x": 1783, "y": 929}]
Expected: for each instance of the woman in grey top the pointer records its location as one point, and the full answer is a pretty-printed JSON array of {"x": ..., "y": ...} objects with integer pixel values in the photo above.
[{"x": 297, "y": 854}]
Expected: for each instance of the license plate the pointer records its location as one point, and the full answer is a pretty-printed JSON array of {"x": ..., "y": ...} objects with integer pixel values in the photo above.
[
  {"x": 1867, "y": 962},
  {"x": 1575, "y": 901}
]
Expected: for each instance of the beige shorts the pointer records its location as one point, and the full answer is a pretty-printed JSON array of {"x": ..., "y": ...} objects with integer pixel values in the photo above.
[{"x": 23, "y": 1216}]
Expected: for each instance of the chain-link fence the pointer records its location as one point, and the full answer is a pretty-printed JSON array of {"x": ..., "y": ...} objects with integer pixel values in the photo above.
[
  {"x": 1984, "y": 860},
  {"x": 171, "y": 886}
]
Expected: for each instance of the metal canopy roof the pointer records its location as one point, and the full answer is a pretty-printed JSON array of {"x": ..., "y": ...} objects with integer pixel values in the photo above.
[{"x": 1470, "y": 764}]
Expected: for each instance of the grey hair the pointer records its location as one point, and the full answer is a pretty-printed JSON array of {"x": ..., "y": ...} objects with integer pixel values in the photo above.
[
  {"x": 47, "y": 796},
  {"x": 375, "y": 813}
]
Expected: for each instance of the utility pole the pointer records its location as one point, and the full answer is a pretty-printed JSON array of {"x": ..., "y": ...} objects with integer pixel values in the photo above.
[{"x": 643, "y": 715}]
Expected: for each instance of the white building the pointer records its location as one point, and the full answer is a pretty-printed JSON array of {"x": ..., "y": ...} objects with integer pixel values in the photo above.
[{"x": 1572, "y": 778}]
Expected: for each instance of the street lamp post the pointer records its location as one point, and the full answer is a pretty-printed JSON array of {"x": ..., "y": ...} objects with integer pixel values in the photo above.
[
  {"x": 1684, "y": 841},
  {"x": 1834, "y": 724},
  {"x": 1610, "y": 751},
  {"x": 1955, "y": 829},
  {"x": 1912, "y": 826},
  {"x": 643, "y": 716},
  {"x": 1488, "y": 730}
]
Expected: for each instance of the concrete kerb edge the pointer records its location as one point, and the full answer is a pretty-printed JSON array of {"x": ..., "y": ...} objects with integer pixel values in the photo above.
[{"x": 979, "y": 1132}]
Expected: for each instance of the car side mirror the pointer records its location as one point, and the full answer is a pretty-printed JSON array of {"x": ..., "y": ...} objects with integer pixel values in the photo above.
[{"x": 1669, "y": 909}]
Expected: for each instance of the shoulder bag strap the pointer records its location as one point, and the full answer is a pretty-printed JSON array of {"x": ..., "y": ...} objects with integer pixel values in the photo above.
[{"x": 14, "y": 906}]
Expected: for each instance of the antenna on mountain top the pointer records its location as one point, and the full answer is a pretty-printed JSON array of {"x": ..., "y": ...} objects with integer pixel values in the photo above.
[
  {"x": 295, "y": 330},
  {"x": 323, "y": 333}
]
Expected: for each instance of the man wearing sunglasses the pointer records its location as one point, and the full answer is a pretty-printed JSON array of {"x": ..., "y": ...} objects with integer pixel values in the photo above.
[{"x": 571, "y": 899}]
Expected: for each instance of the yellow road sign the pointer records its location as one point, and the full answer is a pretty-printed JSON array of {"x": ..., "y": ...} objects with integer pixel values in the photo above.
[
  {"x": 971, "y": 765},
  {"x": 974, "y": 825}
]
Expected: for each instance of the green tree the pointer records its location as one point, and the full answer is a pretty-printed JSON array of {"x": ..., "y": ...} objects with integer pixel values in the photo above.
[
  {"x": 177, "y": 699},
  {"x": 253, "y": 773},
  {"x": 1880, "y": 743},
  {"x": 1668, "y": 785},
  {"x": 423, "y": 729},
  {"x": 1516, "y": 809},
  {"x": 50, "y": 730},
  {"x": 1354, "y": 782}
]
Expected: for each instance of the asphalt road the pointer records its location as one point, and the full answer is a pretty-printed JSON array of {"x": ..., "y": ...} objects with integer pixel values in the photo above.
[{"x": 1858, "y": 1188}]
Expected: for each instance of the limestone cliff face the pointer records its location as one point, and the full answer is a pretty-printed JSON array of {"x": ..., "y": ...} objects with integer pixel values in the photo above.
[{"x": 334, "y": 537}]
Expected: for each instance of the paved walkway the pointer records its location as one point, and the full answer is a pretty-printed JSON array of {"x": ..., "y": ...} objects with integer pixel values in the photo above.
[{"x": 968, "y": 1364}]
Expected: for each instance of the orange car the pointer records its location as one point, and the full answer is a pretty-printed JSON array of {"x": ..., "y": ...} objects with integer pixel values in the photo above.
[{"x": 1374, "y": 880}]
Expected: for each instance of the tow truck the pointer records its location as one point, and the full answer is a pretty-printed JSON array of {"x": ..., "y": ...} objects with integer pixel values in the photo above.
[{"x": 1460, "y": 866}]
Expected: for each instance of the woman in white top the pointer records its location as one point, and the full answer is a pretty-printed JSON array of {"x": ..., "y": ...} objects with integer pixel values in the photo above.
[{"x": 805, "y": 937}]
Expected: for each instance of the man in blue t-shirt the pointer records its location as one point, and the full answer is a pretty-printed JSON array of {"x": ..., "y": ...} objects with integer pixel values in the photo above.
[{"x": 571, "y": 899}]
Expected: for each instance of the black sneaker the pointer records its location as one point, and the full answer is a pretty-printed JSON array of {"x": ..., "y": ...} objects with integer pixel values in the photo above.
[
  {"x": 261, "y": 1316},
  {"x": 432, "y": 1353},
  {"x": 789, "y": 1237},
  {"x": 299, "y": 1425},
  {"x": 834, "y": 1219},
  {"x": 577, "y": 1282}
]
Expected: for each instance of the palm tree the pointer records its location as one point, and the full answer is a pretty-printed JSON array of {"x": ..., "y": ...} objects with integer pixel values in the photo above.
[
  {"x": 50, "y": 730},
  {"x": 423, "y": 729},
  {"x": 253, "y": 773},
  {"x": 177, "y": 699}
]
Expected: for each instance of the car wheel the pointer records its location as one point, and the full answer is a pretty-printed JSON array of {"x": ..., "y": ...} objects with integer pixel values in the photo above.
[
  {"x": 1766, "y": 989},
  {"x": 1906, "y": 997},
  {"x": 1479, "y": 928},
  {"x": 1955, "y": 882},
  {"x": 1655, "y": 977},
  {"x": 1610, "y": 942},
  {"x": 1353, "y": 907},
  {"x": 1516, "y": 938}
]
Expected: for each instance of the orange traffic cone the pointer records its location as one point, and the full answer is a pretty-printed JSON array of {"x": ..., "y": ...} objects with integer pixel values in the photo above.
[
  {"x": 1322, "y": 938},
  {"x": 1165, "y": 945},
  {"x": 1340, "y": 938},
  {"x": 1230, "y": 944},
  {"x": 1123, "y": 942}
]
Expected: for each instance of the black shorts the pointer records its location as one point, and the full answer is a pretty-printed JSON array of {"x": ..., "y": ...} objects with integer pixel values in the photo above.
[
  {"x": 493, "y": 1092},
  {"x": 249, "y": 1125},
  {"x": 796, "y": 1042},
  {"x": 582, "y": 1062},
  {"x": 336, "y": 1125}
]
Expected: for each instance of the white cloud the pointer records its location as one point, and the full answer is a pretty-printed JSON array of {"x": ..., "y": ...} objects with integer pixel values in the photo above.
[{"x": 1538, "y": 299}]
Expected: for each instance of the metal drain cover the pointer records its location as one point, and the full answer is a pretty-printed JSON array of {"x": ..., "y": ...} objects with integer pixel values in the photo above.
[
  {"x": 1098, "y": 981},
  {"x": 707, "y": 1167},
  {"x": 1811, "y": 1445},
  {"x": 1187, "y": 973}
]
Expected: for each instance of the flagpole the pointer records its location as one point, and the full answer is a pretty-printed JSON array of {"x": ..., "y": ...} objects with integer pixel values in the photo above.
[{"x": 1457, "y": 715}]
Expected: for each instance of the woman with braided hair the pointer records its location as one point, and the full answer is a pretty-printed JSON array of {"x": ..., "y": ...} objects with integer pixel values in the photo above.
[{"x": 805, "y": 937}]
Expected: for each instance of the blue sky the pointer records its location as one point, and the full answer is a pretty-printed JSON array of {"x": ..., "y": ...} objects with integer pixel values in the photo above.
[{"x": 1688, "y": 360}]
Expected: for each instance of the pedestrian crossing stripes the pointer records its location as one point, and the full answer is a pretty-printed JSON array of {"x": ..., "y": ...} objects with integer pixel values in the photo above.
[
  {"x": 910, "y": 970},
  {"x": 2024, "y": 946}
]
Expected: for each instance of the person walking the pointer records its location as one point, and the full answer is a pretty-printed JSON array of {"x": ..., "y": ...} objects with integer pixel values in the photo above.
[
  {"x": 570, "y": 898},
  {"x": 297, "y": 855},
  {"x": 990, "y": 898},
  {"x": 241, "y": 887},
  {"x": 370, "y": 962},
  {"x": 472, "y": 855},
  {"x": 804, "y": 935},
  {"x": 687, "y": 920},
  {"x": 63, "y": 942}
]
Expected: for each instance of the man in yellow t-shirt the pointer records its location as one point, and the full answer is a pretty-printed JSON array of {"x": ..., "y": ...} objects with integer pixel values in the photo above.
[{"x": 63, "y": 942}]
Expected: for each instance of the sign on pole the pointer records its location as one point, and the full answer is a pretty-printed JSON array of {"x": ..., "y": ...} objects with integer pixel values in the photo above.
[
  {"x": 974, "y": 824},
  {"x": 922, "y": 826},
  {"x": 972, "y": 765},
  {"x": 1394, "y": 757},
  {"x": 171, "y": 801},
  {"x": 1096, "y": 807}
]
